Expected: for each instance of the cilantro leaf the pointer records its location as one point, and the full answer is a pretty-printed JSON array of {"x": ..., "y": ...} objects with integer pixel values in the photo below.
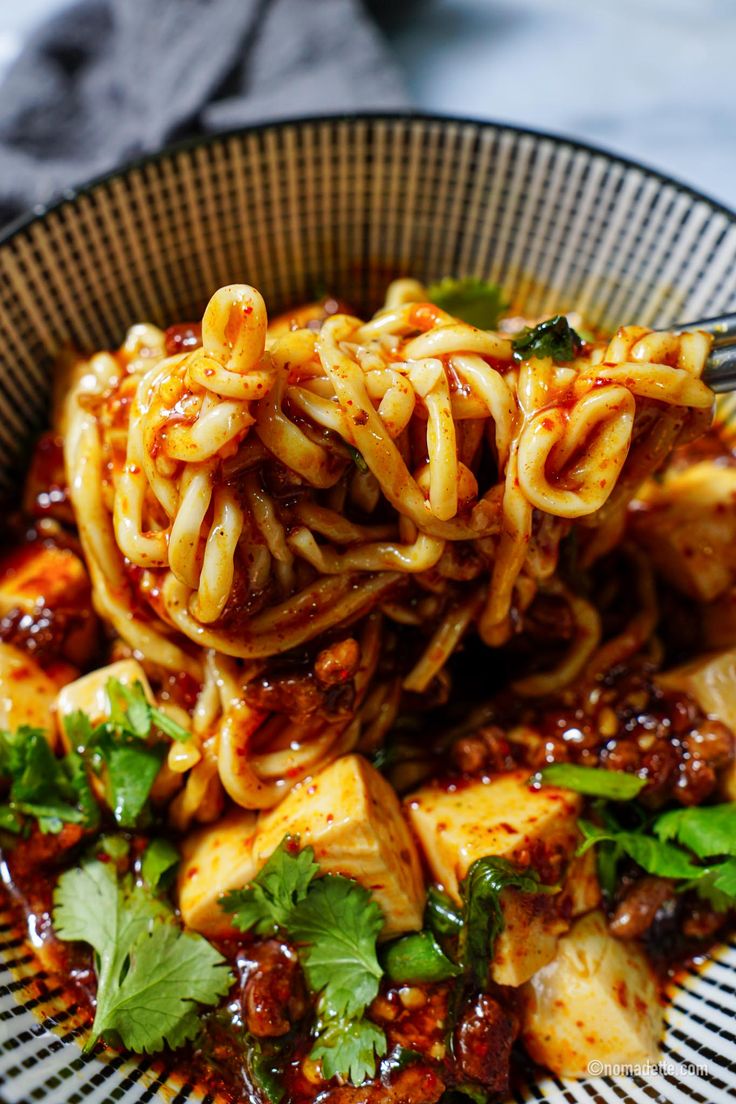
[
  {"x": 553, "y": 338},
  {"x": 131, "y": 772},
  {"x": 131, "y": 712},
  {"x": 349, "y": 1048},
  {"x": 718, "y": 886},
  {"x": 335, "y": 923},
  {"x": 55, "y": 791},
  {"x": 120, "y": 749},
  {"x": 339, "y": 922},
  {"x": 592, "y": 781},
  {"x": 150, "y": 974},
  {"x": 158, "y": 863},
  {"x": 706, "y": 831},
  {"x": 269, "y": 901},
  {"x": 474, "y": 301},
  {"x": 483, "y": 916},
  {"x": 654, "y": 856},
  {"x": 169, "y": 973}
]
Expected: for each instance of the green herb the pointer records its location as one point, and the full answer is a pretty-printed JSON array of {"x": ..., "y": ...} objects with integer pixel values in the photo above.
[
  {"x": 132, "y": 711},
  {"x": 481, "y": 889},
  {"x": 122, "y": 749},
  {"x": 263, "y": 1064},
  {"x": 151, "y": 975},
  {"x": 554, "y": 338},
  {"x": 268, "y": 902},
  {"x": 158, "y": 864},
  {"x": 707, "y": 830},
  {"x": 338, "y": 922},
  {"x": 656, "y": 857},
  {"x": 474, "y": 301},
  {"x": 358, "y": 459},
  {"x": 335, "y": 923},
  {"x": 417, "y": 958},
  {"x": 349, "y": 1048},
  {"x": 54, "y": 790},
  {"x": 592, "y": 781},
  {"x": 442, "y": 915},
  {"x": 116, "y": 848}
]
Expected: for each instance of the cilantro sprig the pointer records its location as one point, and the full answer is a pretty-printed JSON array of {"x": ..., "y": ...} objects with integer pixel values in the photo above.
[
  {"x": 124, "y": 750},
  {"x": 695, "y": 847},
  {"x": 151, "y": 975},
  {"x": 54, "y": 791},
  {"x": 335, "y": 923},
  {"x": 477, "y": 302}
]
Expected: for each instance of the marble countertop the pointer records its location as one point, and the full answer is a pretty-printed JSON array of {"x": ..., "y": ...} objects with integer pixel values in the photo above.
[{"x": 652, "y": 79}]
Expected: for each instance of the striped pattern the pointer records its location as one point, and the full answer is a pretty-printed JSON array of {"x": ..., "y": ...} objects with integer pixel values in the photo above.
[{"x": 345, "y": 205}]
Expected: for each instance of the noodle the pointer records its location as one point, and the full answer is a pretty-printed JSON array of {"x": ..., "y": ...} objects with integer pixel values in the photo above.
[{"x": 267, "y": 488}]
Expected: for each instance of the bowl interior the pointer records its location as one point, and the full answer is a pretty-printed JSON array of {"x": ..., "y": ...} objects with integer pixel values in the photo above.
[{"x": 344, "y": 205}]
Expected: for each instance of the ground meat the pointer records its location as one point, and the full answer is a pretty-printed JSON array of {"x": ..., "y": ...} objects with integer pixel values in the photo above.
[
  {"x": 337, "y": 663},
  {"x": 417, "y": 1084},
  {"x": 484, "y": 1036},
  {"x": 273, "y": 992},
  {"x": 297, "y": 694},
  {"x": 700, "y": 921},
  {"x": 636, "y": 911},
  {"x": 42, "y": 849}
]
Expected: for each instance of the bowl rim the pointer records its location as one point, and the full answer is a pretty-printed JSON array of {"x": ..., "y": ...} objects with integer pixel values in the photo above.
[{"x": 72, "y": 193}]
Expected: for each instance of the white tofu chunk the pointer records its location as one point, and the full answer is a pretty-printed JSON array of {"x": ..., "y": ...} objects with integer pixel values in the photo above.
[
  {"x": 499, "y": 815},
  {"x": 597, "y": 1000},
  {"x": 718, "y": 621},
  {"x": 502, "y": 816},
  {"x": 352, "y": 818},
  {"x": 27, "y": 693},
  {"x": 711, "y": 681},
  {"x": 687, "y": 524},
  {"x": 89, "y": 693},
  {"x": 581, "y": 886},
  {"x": 41, "y": 577},
  {"x": 216, "y": 858}
]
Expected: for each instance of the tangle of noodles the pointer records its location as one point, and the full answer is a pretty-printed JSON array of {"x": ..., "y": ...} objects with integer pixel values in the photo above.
[{"x": 259, "y": 502}]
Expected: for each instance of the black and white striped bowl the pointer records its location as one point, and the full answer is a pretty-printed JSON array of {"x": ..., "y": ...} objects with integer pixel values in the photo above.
[{"x": 345, "y": 204}]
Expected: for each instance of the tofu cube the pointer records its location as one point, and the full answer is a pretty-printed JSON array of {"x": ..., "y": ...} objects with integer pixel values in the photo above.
[
  {"x": 581, "y": 886},
  {"x": 597, "y": 1000},
  {"x": 352, "y": 818},
  {"x": 216, "y": 858},
  {"x": 687, "y": 524},
  {"x": 711, "y": 681},
  {"x": 27, "y": 693},
  {"x": 89, "y": 693},
  {"x": 502, "y": 816},
  {"x": 41, "y": 577},
  {"x": 719, "y": 621}
]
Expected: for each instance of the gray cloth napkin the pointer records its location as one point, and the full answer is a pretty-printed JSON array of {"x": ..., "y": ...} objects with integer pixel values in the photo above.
[{"x": 107, "y": 80}]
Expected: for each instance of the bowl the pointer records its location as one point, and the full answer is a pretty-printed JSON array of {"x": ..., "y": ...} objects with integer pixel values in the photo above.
[{"x": 345, "y": 204}]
